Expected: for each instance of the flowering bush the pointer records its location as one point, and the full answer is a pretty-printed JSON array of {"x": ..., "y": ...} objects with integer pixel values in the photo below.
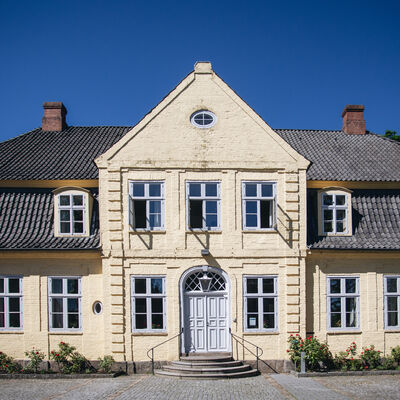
[
  {"x": 69, "y": 361},
  {"x": 35, "y": 359},
  {"x": 347, "y": 360},
  {"x": 8, "y": 365},
  {"x": 370, "y": 357},
  {"x": 317, "y": 354}
]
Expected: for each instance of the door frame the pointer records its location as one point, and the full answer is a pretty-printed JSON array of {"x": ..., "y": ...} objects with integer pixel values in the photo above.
[{"x": 182, "y": 280}]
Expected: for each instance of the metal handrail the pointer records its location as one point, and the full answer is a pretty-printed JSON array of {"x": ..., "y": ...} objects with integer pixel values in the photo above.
[
  {"x": 152, "y": 349},
  {"x": 238, "y": 339}
]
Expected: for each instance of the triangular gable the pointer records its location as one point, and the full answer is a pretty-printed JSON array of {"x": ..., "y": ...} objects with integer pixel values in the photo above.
[{"x": 159, "y": 131}]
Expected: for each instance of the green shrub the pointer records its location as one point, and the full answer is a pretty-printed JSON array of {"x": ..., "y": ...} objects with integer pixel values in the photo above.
[
  {"x": 35, "y": 359},
  {"x": 388, "y": 363},
  {"x": 396, "y": 354},
  {"x": 316, "y": 353},
  {"x": 70, "y": 361},
  {"x": 347, "y": 361},
  {"x": 8, "y": 365},
  {"x": 106, "y": 363},
  {"x": 370, "y": 357}
]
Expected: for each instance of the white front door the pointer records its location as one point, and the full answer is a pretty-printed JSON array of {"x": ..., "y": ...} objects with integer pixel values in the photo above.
[{"x": 206, "y": 322}]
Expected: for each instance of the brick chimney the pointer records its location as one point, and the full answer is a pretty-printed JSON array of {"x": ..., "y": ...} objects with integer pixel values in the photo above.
[
  {"x": 353, "y": 119},
  {"x": 54, "y": 116}
]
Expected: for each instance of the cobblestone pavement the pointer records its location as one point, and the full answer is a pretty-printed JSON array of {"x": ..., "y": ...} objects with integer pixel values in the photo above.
[
  {"x": 382, "y": 387},
  {"x": 274, "y": 387}
]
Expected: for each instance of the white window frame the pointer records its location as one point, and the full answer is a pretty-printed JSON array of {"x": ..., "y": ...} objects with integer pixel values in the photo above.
[
  {"x": 258, "y": 198},
  {"x": 6, "y": 296},
  {"x": 65, "y": 296},
  {"x": 203, "y": 198},
  {"x": 148, "y": 296},
  {"x": 391, "y": 294},
  {"x": 260, "y": 296},
  {"x": 146, "y": 198},
  {"x": 334, "y": 207},
  {"x": 206, "y": 112},
  {"x": 71, "y": 208},
  {"x": 343, "y": 296}
]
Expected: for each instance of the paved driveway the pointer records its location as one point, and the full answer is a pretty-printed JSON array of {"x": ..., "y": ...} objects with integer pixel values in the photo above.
[{"x": 159, "y": 388}]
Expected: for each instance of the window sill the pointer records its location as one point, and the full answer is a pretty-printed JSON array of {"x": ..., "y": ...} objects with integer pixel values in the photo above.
[
  {"x": 144, "y": 231},
  {"x": 335, "y": 234},
  {"x": 65, "y": 333},
  {"x": 259, "y": 231},
  {"x": 150, "y": 333},
  {"x": 392, "y": 330},
  {"x": 344, "y": 331},
  {"x": 13, "y": 332},
  {"x": 68, "y": 235},
  {"x": 257, "y": 333},
  {"x": 195, "y": 231}
]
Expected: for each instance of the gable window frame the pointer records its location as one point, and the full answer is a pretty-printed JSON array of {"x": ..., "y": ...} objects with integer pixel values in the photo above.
[
  {"x": 148, "y": 297},
  {"x": 260, "y": 295},
  {"x": 64, "y": 296},
  {"x": 205, "y": 201},
  {"x": 334, "y": 207},
  {"x": 148, "y": 199},
  {"x": 5, "y": 297},
  {"x": 65, "y": 211},
  {"x": 258, "y": 199},
  {"x": 388, "y": 308},
  {"x": 343, "y": 295}
]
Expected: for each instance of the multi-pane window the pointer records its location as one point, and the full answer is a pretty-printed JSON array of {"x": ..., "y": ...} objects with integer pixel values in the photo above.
[
  {"x": 260, "y": 303},
  {"x": 71, "y": 212},
  {"x": 203, "y": 200},
  {"x": 10, "y": 303},
  {"x": 146, "y": 205},
  {"x": 392, "y": 301},
  {"x": 258, "y": 205},
  {"x": 148, "y": 303},
  {"x": 334, "y": 213},
  {"x": 65, "y": 303},
  {"x": 343, "y": 303}
]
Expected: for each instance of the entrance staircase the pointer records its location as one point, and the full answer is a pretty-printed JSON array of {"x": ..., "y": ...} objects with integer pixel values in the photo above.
[{"x": 207, "y": 366}]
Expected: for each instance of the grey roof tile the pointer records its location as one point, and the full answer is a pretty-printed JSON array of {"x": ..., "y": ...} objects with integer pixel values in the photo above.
[
  {"x": 26, "y": 221},
  {"x": 337, "y": 156},
  {"x": 376, "y": 222},
  {"x": 68, "y": 154}
]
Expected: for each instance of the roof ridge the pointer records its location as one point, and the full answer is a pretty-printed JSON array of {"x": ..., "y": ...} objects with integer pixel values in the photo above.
[
  {"x": 307, "y": 130},
  {"x": 22, "y": 134}
]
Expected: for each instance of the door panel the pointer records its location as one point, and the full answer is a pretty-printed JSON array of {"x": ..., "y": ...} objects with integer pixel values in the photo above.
[{"x": 206, "y": 323}]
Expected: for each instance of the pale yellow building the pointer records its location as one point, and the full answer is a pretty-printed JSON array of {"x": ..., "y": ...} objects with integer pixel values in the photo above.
[{"x": 200, "y": 220}]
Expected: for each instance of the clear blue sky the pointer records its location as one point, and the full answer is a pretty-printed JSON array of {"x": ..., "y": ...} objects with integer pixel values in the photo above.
[{"x": 297, "y": 63}]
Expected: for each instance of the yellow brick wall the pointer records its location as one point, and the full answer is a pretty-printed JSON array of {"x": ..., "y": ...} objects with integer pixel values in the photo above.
[
  {"x": 371, "y": 269},
  {"x": 35, "y": 269}
]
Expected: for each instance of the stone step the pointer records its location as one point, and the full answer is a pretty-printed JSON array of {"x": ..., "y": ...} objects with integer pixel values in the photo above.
[
  {"x": 206, "y": 364},
  {"x": 207, "y": 357},
  {"x": 206, "y": 370},
  {"x": 233, "y": 375}
]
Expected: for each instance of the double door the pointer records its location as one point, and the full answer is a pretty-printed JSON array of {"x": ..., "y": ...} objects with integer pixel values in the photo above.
[{"x": 206, "y": 323}]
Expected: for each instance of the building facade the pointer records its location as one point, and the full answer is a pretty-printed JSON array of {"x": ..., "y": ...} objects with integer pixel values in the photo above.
[{"x": 200, "y": 220}]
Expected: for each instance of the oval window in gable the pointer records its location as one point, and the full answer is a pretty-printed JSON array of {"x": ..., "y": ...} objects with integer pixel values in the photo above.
[{"x": 203, "y": 119}]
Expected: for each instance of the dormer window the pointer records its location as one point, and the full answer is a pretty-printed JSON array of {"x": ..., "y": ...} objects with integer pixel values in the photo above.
[
  {"x": 335, "y": 212},
  {"x": 71, "y": 214},
  {"x": 71, "y": 210}
]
